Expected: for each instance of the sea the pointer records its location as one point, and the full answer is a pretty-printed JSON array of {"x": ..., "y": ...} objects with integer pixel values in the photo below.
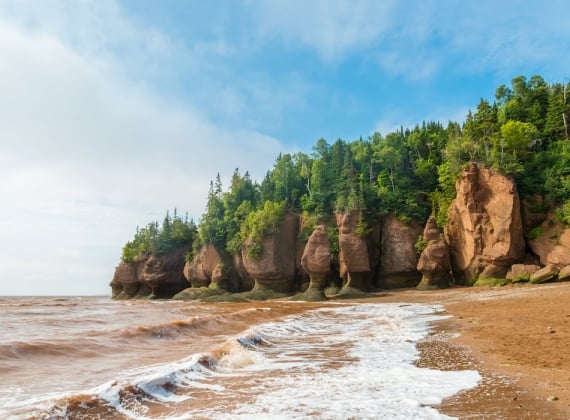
[{"x": 96, "y": 358}]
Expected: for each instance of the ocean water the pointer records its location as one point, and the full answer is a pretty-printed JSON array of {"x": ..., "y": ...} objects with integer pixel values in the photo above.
[{"x": 92, "y": 358}]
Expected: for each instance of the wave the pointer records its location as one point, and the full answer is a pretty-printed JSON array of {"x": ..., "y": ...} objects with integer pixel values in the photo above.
[
  {"x": 137, "y": 395},
  {"x": 97, "y": 342}
]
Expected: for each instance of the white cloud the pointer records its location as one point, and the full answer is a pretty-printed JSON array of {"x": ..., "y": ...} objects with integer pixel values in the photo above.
[
  {"x": 333, "y": 29},
  {"x": 417, "y": 40},
  {"x": 86, "y": 155}
]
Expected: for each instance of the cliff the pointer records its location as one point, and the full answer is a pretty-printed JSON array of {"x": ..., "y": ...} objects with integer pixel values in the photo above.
[
  {"x": 487, "y": 237},
  {"x": 150, "y": 277},
  {"x": 484, "y": 229}
]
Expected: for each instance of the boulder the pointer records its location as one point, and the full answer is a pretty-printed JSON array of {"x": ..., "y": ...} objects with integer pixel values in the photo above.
[
  {"x": 164, "y": 274},
  {"x": 522, "y": 272},
  {"x": 484, "y": 228},
  {"x": 564, "y": 274},
  {"x": 316, "y": 261},
  {"x": 544, "y": 274},
  {"x": 551, "y": 242},
  {"x": 274, "y": 269},
  {"x": 353, "y": 256},
  {"x": 434, "y": 262},
  {"x": 398, "y": 255}
]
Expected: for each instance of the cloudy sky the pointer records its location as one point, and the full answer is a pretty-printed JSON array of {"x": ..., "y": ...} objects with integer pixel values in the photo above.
[{"x": 112, "y": 111}]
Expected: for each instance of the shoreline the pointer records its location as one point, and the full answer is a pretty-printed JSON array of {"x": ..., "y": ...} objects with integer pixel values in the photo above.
[{"x": 516, "y": 337}]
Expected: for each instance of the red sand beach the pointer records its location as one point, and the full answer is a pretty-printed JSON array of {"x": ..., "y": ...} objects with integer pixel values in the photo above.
[{"x": 518, "y": 337}]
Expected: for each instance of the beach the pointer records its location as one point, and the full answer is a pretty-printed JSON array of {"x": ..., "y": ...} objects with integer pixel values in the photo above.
[
  {"x": 516, "y": 336},
  {"x": 489, "y": 352}
]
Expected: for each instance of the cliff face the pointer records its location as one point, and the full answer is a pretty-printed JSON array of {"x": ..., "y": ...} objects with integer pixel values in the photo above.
[
  {"x": 353, "y": 256},
  {"x": 127, "y": 281},
  {"x": 211, "y": 268},
  {"x": 163, "y": 274},
  {"x": 274, "y": 268},
  {"x": 483, "y": 239},
  {"x": 484, "y": 229},
  {"x": 154, "y": 277},
  {"x": 398, "y": 257}
]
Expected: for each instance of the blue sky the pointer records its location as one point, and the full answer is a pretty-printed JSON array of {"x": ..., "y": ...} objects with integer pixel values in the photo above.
[{"x": 114, "y": 111}]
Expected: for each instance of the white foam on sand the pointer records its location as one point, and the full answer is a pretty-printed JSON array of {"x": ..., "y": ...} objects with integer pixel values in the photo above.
[
  {"x": 375, "y": 376},
  {"x": 342, "y": 361}
]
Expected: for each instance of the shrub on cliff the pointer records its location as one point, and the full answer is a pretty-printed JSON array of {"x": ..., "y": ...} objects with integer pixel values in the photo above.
[{"x": 155, "y": 239}]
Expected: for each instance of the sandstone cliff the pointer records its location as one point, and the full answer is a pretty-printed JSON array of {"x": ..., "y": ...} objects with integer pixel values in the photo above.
[
  {"x": 353, "y": 257},
  {"x": 274, "y": 269},
  {"x": 484, "y": 228},
  {"x": 152, "y": 277},
  {"x": 483, "y": 239},
  {"x": 211, "y": 268},
  {"x": 398, "y": 256},
  {"x": 163, "y": 274},
  {"x": 127, "y": 281}
]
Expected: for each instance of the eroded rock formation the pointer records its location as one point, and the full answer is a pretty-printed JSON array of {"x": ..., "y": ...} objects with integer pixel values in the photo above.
[
  {"x": 211, "y": 268},
  {"x": 316, "y": 261},
  {"x": 163, "y": 274},
  {"x": 127, "y": 282},
  {"x": 398, "y": 256},
  {"x": 274, "y": 269},
  {"x": 434, "y": 262},
  {"x": 484, "y": 228},
  {"x": 353, "y": 256}
]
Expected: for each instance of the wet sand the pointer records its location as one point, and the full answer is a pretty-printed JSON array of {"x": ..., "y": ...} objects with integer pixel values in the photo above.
[{"x": 517, "y": 337}]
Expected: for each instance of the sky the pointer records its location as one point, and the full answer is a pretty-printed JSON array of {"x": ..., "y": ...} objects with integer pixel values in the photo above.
[{"x": 112, "y": 112}]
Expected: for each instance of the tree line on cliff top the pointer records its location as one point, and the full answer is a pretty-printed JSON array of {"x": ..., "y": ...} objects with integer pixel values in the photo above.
[{"x": 410, "y": 173}]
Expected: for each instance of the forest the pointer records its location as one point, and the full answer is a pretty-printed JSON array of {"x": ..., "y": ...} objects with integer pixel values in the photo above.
[{"x": 411, "y": 173}]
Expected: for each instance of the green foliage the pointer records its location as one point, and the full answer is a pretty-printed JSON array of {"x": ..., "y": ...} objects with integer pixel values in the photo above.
[
  {"x": 261, "y": 223},
  {"x": 512, "y": 146},
  {"x": 535, "y": 233},
  {"x": 491, "y": 281},
  {"x": 420, "y": 244},
  {"x": 309, "y": 222},
  {"x": 563, "y": 214},
  {"x": 409, "y": 173},
  {"x": 155, "y": 239},
  {"x": 362, "y": 229},
  {"x": 332, "y": 233}
]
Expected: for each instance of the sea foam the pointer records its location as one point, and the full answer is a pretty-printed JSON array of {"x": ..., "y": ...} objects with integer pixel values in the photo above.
[{"x": 336, "y": 362}]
